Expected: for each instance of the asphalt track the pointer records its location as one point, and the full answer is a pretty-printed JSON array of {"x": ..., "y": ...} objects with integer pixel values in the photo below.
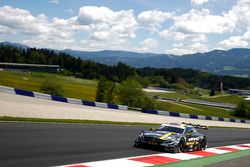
[{"x": 50, "y": 144}]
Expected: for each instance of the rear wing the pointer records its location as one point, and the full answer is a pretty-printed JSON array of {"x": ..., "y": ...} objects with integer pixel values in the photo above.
[{"x": 198, "y": 126}]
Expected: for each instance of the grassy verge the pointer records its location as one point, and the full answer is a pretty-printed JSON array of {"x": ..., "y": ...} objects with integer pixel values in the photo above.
[
  {"x": 173, "y": 95},
  {"x": 232, "y": 99},
  {"x": 208, "y": 160},
  {"x": 73, "y": 87},
  {"x": 198, "y": 110},
  {"x": 46, "y": 120},
  {"x": 20, "y": 119}
]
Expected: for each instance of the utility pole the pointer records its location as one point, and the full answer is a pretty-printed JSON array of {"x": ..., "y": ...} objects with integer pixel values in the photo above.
[{"x": 221, "y": 88}]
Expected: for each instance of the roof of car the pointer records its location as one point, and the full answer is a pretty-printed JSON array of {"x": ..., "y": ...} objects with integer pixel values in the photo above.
[{"x": 182, "y": 126}]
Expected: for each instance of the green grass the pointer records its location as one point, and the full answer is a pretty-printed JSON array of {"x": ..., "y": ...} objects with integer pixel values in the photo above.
[
  {"x": 20, "y": 119},
  {"x": 86, "y": 89},
  {"x": 233, "y": 99},
  {"x": 199, "y": 110},
  {"x": 171, "y": 95},
  {"x": 73, "y": 87},
  {"x": 76, "y": 121},
  {"x": 207, "y": 161}
]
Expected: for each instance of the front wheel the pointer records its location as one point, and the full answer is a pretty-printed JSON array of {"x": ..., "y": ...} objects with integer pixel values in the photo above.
[
  {"x": 203, "y": 144},
  {"x": 180, "y": 147},
  {"x": 137, "y": 144}
]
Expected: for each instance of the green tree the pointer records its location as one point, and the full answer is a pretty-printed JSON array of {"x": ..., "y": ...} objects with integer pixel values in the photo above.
[
  {"x": 212, "y": 92},
  {"x": 148, "y": 103},
  {"x": 242, "y": 109},
  {"x": 130, "y": 93},
  {"x": 52, "y": 87},
  {"x": 105, "y": 90}
]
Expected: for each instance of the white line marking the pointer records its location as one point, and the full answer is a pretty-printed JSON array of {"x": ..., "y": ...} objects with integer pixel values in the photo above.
[
  {"x": 217, "y": 151},
  {"x": 180, "y": 156},
  {"x": 117, "y": 163},
  {"x": 238, "y": 148}
]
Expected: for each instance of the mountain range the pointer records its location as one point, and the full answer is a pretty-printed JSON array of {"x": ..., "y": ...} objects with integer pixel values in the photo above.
[{"x": 231, "y": 62}]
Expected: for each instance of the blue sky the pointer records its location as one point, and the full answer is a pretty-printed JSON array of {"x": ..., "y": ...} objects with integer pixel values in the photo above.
[{"x": 158, "y": 26}]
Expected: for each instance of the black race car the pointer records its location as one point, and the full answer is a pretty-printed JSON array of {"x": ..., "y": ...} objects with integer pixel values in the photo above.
[{"x": 174, "y": 137}]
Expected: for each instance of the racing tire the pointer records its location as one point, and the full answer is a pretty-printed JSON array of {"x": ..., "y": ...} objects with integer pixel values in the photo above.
[
  {"x": 137, "y": 144},
  {"x": 202, "y": 145},
  {"x": 180, "y": 147}
]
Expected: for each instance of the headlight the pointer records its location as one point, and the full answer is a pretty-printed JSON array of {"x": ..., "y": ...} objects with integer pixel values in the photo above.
[
  {"x": 172, "y": 139},
  {"x": 141, "y": 135}
]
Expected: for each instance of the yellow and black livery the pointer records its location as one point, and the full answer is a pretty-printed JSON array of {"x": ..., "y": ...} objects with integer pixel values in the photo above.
[{"x": 174, "y": 137}]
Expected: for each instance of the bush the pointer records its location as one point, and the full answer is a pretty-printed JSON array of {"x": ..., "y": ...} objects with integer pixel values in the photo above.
[
  {"x": 159, "y": 105},
  {"x": 242, "y": 109},
  {"x": 65, "y": 72},
  {"x": 52, "y": 87},
  {"x": 105, "y": 90},
  {"x": 148, "y": 103},
  {"x": 212, "y": 92},
  {"x": 130, "y": 93}
]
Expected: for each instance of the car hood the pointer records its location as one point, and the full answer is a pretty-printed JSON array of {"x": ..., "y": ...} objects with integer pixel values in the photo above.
[{"x": 159, "y": 134}]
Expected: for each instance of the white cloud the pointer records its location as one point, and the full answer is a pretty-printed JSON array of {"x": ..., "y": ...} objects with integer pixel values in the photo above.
[
  {"x": 107, "y": 28},
  {"x": 150, "y": 43},
  {"x": 6, "y": 30},
  {"x": 147, "y": 45},
  {"x": 153, "y": 19},
  {"x": 198, "y": 2},
  {"x": 233, "y": 42},
  {"x": 98, "y": 28},
  {"x": 45, "y": 41},
  {"x": 241, "y": 14},
  {"x": 40, "y": 31},
  {"x": 180, "y": 36},
  {"x": 92, "y": 15},
  {"x": 54, "y": 1},
  {"x": 181, "y": 49},
  {"x": 18, "y": 20},
  {"x": 201, "y": 21}
]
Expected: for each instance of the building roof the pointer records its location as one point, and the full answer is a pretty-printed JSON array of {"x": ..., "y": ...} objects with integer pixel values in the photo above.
[{"x": 29, "y": 65}]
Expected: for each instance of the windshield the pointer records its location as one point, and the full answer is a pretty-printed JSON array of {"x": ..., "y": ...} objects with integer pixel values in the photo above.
[{"x": 170, "y": 129}]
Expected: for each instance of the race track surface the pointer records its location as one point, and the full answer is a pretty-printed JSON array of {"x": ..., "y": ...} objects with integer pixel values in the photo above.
[{"x": 50, "y": 144}]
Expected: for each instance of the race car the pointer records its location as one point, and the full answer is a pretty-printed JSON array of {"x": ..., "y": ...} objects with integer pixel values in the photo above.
[{"x": 174, "y": 137}]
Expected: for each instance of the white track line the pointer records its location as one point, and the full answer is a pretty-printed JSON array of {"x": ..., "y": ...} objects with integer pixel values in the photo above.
[
  {"x": 181, "y": 156},
  {"x": 117, "y": 163}
]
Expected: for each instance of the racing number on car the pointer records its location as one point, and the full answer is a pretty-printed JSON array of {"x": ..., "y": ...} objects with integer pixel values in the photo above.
[{"x": 193, "y": 139}]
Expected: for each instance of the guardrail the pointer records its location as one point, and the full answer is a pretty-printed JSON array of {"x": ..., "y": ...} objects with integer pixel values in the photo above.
[{"x": 113, "y": 106}]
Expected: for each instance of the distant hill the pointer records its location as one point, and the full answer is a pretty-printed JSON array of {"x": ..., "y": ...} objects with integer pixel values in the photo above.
[
  {"x": 14, "y": 44},
  {"x": 231, "y": 62}
]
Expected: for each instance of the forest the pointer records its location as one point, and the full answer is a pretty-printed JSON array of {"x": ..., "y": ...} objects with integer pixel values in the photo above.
[{"x": 163, "y": 77}]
